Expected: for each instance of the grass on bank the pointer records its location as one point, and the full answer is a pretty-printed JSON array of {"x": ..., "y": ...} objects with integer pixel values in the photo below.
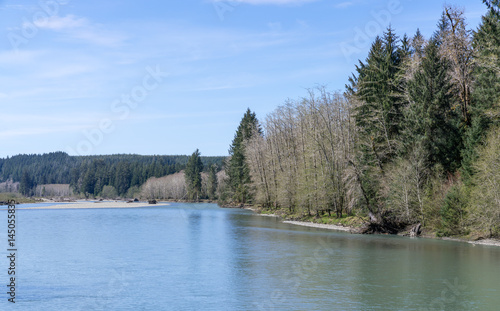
[{"x": 7, "y": 196}]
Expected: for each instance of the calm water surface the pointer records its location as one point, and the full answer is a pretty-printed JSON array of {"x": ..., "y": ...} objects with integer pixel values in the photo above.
[{"x": 201, "y": 257}]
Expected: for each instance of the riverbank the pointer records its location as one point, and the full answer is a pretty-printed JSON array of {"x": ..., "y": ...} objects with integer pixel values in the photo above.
[
  {"x": 321, "y": 226},
  {"x": 357, "y": 228}
]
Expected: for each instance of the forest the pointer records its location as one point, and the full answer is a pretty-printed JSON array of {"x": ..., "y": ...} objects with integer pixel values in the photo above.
[
  {"x": 413, "y": 139},
  {"x": 91, "y": 176}
]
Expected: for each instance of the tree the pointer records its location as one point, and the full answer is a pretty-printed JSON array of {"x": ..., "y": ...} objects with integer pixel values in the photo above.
[
  {"x": 212, "y": 182},
  {"x": 486, "y": 93},
  {"x": 88, "y": 182},
  {"x": 109, "y": 192},
  {"x": 493, "y": 5},
  {"x": 27, "y": 184},
  {"x": 485, "y": 196},
  {"x": 193, "y": 171},
  {"x": 430, "y": 119},
  {"x": 456, "y": 47},
  {"x": 123, "y": 177},
  {"x": 237, "y": 168}
]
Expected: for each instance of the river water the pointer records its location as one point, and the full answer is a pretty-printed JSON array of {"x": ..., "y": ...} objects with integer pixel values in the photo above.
[{"x": 201, "y": 257}]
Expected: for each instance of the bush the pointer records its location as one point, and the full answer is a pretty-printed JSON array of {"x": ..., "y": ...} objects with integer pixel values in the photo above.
[{"x": 109, "y": 192}]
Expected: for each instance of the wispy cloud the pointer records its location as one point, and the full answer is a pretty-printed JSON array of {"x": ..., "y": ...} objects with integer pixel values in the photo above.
[
  {"x": 81, "y": 30},
  {"x": 61, "y": 23},
  {"x": 347, "y": 3},
  {"x": 275, "y": 2},
  {"x": 344, "y": 4}
]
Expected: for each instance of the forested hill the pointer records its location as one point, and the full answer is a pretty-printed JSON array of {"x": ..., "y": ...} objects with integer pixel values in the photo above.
[{"x": 89, "y": 174}]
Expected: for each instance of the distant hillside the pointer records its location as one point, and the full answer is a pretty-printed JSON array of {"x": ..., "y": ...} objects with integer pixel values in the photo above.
[{"x": 89, "y": 174}]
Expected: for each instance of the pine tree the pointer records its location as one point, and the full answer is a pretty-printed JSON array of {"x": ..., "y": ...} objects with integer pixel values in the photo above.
[
  {"x": 26, "y": 184},
  {"x": 237, "y": 168},
  {"x": 123, "y": 176},
  {"x": 430, "y": 119},
  {"x": 486, "y": 93},
  {"x": 379, "y": 89},
  {"x": 212, "y": 182},
  {"x": 88, "y": 182},
  {"x": 192, "y": 175}
]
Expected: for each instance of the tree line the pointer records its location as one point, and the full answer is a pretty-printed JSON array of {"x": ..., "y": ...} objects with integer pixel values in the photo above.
[
  {"x": 413, "y": 138},
  {"x": 91, "y": 175}
]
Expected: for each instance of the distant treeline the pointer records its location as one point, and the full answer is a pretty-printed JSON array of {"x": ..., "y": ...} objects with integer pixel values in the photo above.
[{"x": 88, "y": 175}]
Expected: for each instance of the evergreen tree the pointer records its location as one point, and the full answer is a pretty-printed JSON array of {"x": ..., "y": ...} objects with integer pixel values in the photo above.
[
  {"x": 430, "y": 119},
  {"x": 212, "y": 182},
  {"x": 122, "y": 177},
  {"x": 193, "y": 171},
  {"x": 494, "y": 6},
  {"x": 26, "y": 184},
  {"x": 486, "y": 93},
  {"x": 237, "y": 168},
  {"x": 88, "y": 182},
  {"x": 378, "y": 87}
]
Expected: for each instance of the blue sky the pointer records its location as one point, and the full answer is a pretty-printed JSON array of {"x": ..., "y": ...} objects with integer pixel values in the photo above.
[{"x": 167, "y": 77}]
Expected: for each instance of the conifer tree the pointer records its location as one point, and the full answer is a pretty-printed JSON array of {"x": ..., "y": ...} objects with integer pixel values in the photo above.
[
  {"x": 486, "y": 93},
  {"x": 212, "y": 182},
  {"x": 193, "y": 176},
  {"x": 237, "y": 168},
  {"x": 430, "y": 119},
  {"x": 26, "y": 184}
]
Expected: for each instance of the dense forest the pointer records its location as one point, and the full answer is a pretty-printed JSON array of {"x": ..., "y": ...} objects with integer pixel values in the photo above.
[
  {"x": 413, "y": 139},
  {"x": 121, "y": 174}
]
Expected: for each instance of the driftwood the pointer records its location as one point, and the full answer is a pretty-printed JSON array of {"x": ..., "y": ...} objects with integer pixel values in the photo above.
[{"x": 416, "y": 230}]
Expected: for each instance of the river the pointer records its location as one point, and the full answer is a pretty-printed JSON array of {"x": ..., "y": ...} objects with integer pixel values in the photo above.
[{"x": 201, "y": 257}]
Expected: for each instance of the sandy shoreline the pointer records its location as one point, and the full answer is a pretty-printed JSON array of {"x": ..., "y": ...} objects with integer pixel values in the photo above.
[
  {"x": 80, "y": 205},
  {"x": 487, "y": 242},
  {"x": 321, "y": 226},
  {"x": 490, "y": 242}
]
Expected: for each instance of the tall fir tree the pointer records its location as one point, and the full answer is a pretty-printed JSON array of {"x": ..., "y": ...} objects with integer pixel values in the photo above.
[
  {"x": 237, "y": 168},
  {"x": 212, "y": 182},
  {"x": 27, "y": 184},
  {"x": 486, "y": 93},
  {"x": 430, "y": 119},
  {"x": 123, "y": 175},
  {"x": 192, "y": 175}
]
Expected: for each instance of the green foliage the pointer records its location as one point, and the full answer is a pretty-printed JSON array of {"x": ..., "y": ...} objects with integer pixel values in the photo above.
[
  {"x": 212, "y": 182},
  {"x": 192, "y": 173},
  {"x": 237, "y": 167},
  {"x": 109, "y": 192},
  {"x": 133, "y": 192},
  {"x": 486, "y": 93},
  {"x": 453, "y": 212},
  {"x": 27, "y": 184},
  {"x": 430, "y": 118},
  {"x": 485, "y": 193}
]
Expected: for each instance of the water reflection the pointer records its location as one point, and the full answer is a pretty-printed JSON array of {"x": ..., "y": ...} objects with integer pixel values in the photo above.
[{"x": 198, "y": 256}]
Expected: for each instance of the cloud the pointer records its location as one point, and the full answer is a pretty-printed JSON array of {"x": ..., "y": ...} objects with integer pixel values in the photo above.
[
  {"x": 346, "y": 4},
  {"x": 81, "y": 29},
  {"x": 65, "y": 71},
  {"x": 61, "y": 23},
  {"x": 261, "y": 2}
]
